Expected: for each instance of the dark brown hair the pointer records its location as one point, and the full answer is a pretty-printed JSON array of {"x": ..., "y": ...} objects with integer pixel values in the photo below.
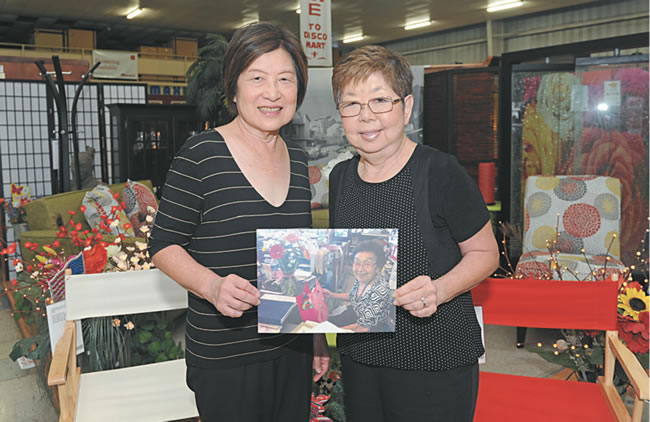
[
  {"x": 250, "y": 42},
  {"x": 359, "y": 64},
  {"x": 374, "y": 248}
]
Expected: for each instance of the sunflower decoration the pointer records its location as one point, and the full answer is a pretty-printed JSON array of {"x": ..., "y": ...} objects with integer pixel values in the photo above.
[{"x": 633, "y": 300}]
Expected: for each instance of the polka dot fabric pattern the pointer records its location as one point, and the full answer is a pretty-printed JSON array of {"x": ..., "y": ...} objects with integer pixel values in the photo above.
[
  {"x": 137, "y": 197},
  {"x": 451, "y": 337},
  {"x": 584, "y": 211}
]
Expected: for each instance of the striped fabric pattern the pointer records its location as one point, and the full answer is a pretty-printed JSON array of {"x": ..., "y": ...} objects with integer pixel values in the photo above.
[{"x": 209, "y": 208}]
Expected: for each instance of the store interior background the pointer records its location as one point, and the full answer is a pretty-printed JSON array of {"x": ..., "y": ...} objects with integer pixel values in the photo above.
[{"x": 483, "y": 74}]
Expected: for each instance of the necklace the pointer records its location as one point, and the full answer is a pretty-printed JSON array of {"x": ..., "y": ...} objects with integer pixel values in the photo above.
[{"x": 365, "y": 287}]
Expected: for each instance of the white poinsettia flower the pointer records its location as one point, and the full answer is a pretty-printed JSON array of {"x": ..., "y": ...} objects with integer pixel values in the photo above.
[
  {"x": 150, "y": 209},
  {"x": 149, "y": 219},
  {"x": 141, "y": 245},
  {"x": 130, "y": 248},
  {"x": 122, "y": 256},
  {"x": 113, "y": 250},
  {"x": 144, "y": 229},
  {"x": 117, "y": 240},
  {"x": 146, "y": 266},
  {"x": 134, "y": 259},
  {"x": 122, "y": 266},
  {"x": 19, "y": 267},
  {"x": 115, "y": 223}
]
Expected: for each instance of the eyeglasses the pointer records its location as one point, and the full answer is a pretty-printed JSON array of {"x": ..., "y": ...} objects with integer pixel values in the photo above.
[
  {"x": 376, "y": 105},
  {"x": 364, "y": 264}
]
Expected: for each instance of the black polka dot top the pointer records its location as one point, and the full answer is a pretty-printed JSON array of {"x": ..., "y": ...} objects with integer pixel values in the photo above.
[{"x": 448, "y": 339}]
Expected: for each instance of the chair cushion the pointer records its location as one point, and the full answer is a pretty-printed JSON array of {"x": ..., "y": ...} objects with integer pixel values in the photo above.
[
  {"x": 573, "y": 266},
  {"x": 585, "y": 210},
  {"x": 516, "y": 398},
  {"x": 99, "y": 202},
  {"x": 153, "y": 392},
  {"x": 137, "y": 197}
]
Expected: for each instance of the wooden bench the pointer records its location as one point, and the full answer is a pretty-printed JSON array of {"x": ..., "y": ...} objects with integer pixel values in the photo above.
[
  {"x": 153, "y": 392},
  {"x": 557, "y": 304}
]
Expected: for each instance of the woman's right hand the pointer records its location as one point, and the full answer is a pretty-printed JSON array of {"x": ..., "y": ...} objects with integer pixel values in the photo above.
[{"x": 232, "y": 295}]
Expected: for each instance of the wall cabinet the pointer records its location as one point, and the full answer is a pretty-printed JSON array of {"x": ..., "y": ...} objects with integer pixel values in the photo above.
[{"x": 145, "y": 138}]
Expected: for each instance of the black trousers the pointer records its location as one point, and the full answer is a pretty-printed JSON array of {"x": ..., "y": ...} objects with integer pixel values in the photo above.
[
  {"x": 392, "y": 395},
  {"x": 277, "y": 390}
]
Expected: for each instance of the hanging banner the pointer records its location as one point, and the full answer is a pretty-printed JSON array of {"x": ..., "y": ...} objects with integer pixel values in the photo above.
[
  {"x": 316, "y": 31},
  {"x": 116, "y": 64}
]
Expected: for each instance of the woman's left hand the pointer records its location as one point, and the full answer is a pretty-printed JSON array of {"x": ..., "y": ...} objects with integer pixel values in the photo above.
[
  {"x": 321, "y": 356},
  {"x": 419, "y": 296}
]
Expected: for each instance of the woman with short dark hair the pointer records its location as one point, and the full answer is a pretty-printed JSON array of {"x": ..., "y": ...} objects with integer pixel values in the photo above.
[
  {"x": 370, "y": 296},
  {"x": 223, "y": 185},
  {"x": 427, "y": 370}
]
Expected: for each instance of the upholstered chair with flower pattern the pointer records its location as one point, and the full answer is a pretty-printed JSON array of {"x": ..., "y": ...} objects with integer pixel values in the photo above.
[{"x": 571, "y": 228}]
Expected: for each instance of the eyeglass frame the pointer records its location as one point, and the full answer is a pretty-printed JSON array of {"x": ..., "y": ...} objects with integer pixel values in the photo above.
[
  {"x": 367, "y": 264},
  {"x": 361, "y": 105}
]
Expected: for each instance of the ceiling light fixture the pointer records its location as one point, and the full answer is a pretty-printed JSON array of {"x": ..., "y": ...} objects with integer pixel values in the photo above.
[
  {"x": 133, "y": 13},
  {"x": 418, "y": 24},
  {"x": 502, "y": 5},
  {"x": 298, "y": 10},
  {"x": 352, "y": 38}
]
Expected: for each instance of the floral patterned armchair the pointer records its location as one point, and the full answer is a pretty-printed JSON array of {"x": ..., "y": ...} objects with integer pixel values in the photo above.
[{"x": 571, "y": 228}]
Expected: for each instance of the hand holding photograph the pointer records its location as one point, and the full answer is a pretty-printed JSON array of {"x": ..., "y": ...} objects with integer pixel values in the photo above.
[{"x": 326, "y": 280}]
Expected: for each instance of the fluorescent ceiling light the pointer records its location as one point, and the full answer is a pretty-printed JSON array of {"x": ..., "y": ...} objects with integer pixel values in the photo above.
[
  {"x": 298, "y": 10},
  {"x": 502, "y": 5},
  {"x": 133, "y": 13},
  {"x": 603, "y": 107},
  {"x": 419, "y": 24},
  {"x": 352, "y": 38}
]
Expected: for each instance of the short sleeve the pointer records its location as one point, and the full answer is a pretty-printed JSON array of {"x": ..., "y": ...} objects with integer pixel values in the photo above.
[
  {"x": 462, "y": 206},
  {"x": 335, "y": 178},
  {"x": 181, "y": 205}
]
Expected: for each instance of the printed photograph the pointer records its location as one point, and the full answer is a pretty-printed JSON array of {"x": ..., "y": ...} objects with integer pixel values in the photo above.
[{"x": 326, "y": 280}]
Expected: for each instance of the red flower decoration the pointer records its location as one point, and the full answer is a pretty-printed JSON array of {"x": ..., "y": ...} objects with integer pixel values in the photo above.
[
  {"x": 634, "y": 333},
  {"x": 291, "y": 237},
  {"x": 95, "y": 259},
  {"x": 82, "y": 208},
  {"x": 276, "y": 251}
]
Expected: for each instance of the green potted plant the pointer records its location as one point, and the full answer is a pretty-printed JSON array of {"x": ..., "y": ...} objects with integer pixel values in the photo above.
[{"x": 205, "y": 82}]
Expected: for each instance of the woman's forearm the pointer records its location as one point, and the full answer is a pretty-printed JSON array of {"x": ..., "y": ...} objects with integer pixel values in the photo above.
[
  {"x": 182, "y": 268},
  {"x": 480, "y": 259}
]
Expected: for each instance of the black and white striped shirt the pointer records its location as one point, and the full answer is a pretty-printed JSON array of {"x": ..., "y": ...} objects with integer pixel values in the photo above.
[{"x": 209, "y": 208}]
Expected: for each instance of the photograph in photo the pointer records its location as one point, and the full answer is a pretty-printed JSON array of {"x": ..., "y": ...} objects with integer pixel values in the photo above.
[{"x": 326, "y": 280}]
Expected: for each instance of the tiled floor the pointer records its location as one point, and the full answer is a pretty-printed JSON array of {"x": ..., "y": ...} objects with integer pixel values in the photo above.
[{"x": 21, "y": 397}]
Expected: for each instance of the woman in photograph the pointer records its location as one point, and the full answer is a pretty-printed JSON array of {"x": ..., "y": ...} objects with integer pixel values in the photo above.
[
  {"x": 223, "y": 185},
  {"x": 371, "y": 296},
  {"x": 427, "y": 370}
]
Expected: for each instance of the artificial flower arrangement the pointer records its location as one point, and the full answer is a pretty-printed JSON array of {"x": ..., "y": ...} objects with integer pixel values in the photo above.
[
  {"x": 581, "y": 350},
  {"x": 110, "y": 342},
  {"x": 286, "y": 255}
]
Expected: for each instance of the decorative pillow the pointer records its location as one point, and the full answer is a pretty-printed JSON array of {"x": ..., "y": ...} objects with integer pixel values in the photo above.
[
  {"x": 137, "y": 197},
  {"x": 100, "y": 202}
]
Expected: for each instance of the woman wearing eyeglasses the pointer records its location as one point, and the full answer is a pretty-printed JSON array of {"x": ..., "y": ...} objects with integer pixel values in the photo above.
[
  {"x": 371, "y": 296},
  {"x": 427, "y": 370}
]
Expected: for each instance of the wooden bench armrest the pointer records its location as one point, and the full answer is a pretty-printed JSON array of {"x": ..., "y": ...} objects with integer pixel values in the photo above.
[
  {"x": 61, "y": 357},
  {"x": 631, "y": 365}
]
